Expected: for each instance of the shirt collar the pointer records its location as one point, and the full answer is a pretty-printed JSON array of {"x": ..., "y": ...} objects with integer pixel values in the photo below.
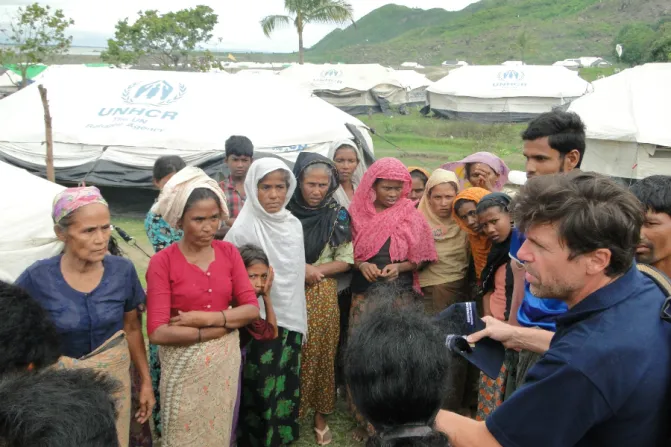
[
  {"x": 229, "y": 183},
  {"x": 604, "y": 298}
]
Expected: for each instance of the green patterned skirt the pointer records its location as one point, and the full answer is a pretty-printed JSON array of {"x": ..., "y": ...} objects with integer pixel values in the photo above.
[{"x": 271, "y": 391}]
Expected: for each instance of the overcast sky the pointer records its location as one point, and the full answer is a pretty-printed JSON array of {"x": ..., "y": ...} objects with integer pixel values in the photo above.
[{"x": 238, "y": 19}]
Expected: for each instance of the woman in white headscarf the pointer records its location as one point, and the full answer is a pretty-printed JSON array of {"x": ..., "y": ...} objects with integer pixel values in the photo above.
[
  {"x": 271, "y": 376},
  {"x": 350, "y": 165},
  {"x": 198, "y": 296}
]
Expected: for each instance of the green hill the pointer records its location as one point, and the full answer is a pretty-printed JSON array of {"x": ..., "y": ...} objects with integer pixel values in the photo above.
[{"x": 487, "y": 32}]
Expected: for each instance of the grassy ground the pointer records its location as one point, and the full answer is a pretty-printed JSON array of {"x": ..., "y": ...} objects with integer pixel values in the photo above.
[
  {"x": 416, "y": 140},
  {"x": 429, "y": 142}
]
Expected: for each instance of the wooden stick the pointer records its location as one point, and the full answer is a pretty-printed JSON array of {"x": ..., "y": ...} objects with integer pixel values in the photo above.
[{"x": 51, "y": 174}]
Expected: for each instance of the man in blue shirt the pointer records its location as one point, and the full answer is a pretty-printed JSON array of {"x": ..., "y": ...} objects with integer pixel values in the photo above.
[{"x": 605, "y": 379}]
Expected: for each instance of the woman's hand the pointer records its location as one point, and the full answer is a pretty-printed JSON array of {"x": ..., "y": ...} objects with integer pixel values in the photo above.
[
  {"x": 482, "y": 178},
  {"x": 197, "y": 319},
  {"x": 147, "y": 403},
  {"x": 312, "y": 274},
  {"x": 369, "y": 271},
  {"x": 390, "y": 272},
  {"x": 269, "y": 282}
]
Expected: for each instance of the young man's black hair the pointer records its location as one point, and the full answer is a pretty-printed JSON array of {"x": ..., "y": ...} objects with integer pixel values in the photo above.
[
  {"x": 240, "y": 146},
  {"x": 58, "y": 408},
  {"x": 563, "y": 132},
  {"x": 28, "y": 338}
]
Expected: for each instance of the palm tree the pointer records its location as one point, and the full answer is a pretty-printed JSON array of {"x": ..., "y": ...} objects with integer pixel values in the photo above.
[{"x": 302, "y": 12}]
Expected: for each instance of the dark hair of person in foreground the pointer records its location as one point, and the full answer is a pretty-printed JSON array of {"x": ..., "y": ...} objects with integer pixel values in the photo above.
[
  {"x": 28, "y": 338},
  {"x": 395, "y": 367},
  {"x": 58, "y": 408},
  {"x": 590, "y": 211}
]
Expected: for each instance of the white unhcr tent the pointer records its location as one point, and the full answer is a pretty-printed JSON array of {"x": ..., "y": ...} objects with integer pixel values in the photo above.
[
  {"x": 115, "y": 123},
  {"x": 627, "y": 123},
  {"x": 353, "y": 88},
  {"x": 504, "y": 94},
  {"x": 415, "y": 84},
  {"x": 26, "y": 228}
]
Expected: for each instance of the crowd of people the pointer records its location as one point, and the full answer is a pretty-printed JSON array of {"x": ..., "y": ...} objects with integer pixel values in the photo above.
[{"x": 277, "y": 290}]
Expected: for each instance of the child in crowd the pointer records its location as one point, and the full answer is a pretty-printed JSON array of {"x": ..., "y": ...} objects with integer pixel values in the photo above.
[
  {"x": 497, "y": 279},
  {"x": 261, "y": 275}
]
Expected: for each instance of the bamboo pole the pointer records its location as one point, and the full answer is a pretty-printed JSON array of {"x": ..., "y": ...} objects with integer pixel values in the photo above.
[{"x": 51, "y": 174}]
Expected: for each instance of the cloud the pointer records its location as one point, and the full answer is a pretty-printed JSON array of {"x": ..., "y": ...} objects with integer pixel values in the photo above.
[{"x": 238, "y": 27}]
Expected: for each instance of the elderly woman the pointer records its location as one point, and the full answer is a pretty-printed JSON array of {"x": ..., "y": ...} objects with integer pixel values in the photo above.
[
  {"x": 444, "y": 281},
  {"x": 191, "y": 286},
  {"x": 350, "y": 165},
  {"x": 482, "y": 169},
  {"x": 270, "y": 388},
  {"x": 328, "y": 252},
  {"x": 391, "y": 238},
  {"x": 92, "y": 298},
  {"x": 401, "y": 402}
]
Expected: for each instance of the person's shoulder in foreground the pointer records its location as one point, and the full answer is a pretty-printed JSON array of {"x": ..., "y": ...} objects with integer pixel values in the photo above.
[{"x": 605, "y": 380}]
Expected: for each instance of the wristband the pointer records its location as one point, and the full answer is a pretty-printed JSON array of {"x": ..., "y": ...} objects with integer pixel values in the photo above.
[
  {"x": 199, "y": 336},
  {"x": 225, "y": 319}
]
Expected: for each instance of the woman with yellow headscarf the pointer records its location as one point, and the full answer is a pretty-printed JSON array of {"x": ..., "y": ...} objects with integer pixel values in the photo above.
[{"x": 444, "y": 281}]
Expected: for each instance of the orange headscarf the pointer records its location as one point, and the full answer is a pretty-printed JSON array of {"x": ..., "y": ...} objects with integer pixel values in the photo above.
[{"x": 480, "y": 244}]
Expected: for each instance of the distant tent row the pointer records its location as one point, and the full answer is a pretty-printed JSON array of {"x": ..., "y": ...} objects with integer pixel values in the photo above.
[
  {"x": 111, "y": 127},
  {"x": 360, "y": 88},
  {"x": 504, "y": 93},
  {"x": 627, "y": 123}
]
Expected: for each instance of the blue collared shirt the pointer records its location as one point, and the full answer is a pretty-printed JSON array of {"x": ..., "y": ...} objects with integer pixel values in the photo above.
[
  {"x": 606, "y": 379},
  {"x": 84, "y": 320}
]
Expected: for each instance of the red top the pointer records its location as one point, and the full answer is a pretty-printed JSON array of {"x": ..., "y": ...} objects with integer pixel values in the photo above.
[{"x": 175, "y": 284}]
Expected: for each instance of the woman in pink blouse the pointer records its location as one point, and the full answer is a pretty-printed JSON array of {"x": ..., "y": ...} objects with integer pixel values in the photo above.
[{"x": 191, "y": 286}]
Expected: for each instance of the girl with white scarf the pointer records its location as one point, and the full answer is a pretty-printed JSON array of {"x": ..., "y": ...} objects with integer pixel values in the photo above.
[{"x": 271, "y": 374}]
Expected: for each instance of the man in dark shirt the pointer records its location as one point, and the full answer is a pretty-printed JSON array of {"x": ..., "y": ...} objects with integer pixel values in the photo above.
[
  {"x": 654, "y": 192},
  {"x": 606, "y": 378}
]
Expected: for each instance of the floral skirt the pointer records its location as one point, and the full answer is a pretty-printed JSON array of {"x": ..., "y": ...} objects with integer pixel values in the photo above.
[
  {"x": 319, "y": 353},
  {"x": 155, "y": 371},
  {"x": 271, "y": 391},
  {"x": 199, "y": 388}
]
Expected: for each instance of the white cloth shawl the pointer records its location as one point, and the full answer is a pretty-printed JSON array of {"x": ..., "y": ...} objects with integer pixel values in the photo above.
[{"x": 280, "y": 235}]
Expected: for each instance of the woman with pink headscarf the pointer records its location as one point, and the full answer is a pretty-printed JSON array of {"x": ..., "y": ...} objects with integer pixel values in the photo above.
[
  {"x": 391, "y": 238},
  {"x": 481, "y": 170},
  {"x": 93, "y": 297}
]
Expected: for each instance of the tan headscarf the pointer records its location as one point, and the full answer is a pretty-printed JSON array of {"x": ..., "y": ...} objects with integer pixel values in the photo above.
[
  {"x": 451, "y": 242},
  {"x": 176, "y": 192}
]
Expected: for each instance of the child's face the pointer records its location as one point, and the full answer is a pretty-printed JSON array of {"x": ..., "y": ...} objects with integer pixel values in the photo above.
[
  {"x": 495, "y": 224},
  {"x": 258, "y": 274}
]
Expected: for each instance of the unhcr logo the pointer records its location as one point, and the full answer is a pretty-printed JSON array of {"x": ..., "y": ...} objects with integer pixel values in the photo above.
[
  {"x": 510, "y": 79},
  {"x": 157, "y": 93},
  {"x": 511, "y": 76},
  {"x": 331, "y": 73}
]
